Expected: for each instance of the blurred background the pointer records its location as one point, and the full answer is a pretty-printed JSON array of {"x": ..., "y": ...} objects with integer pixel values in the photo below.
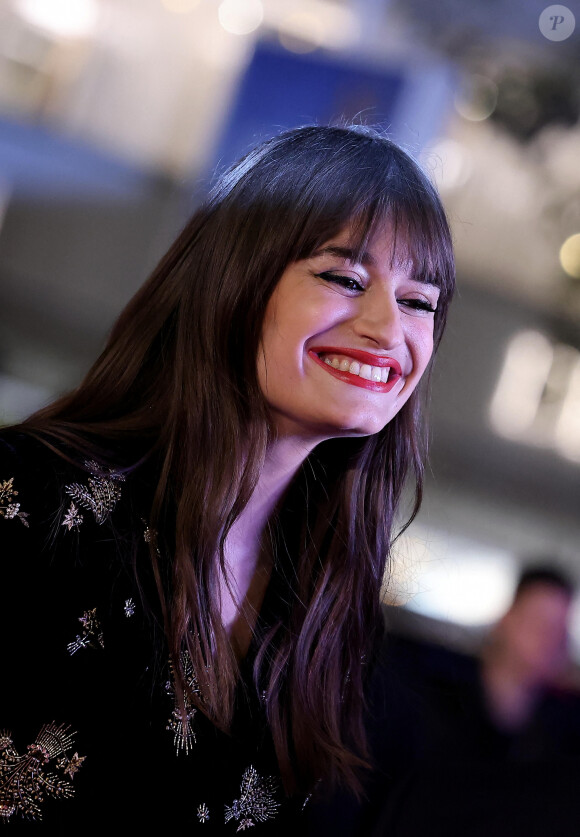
[{"x": 115, "y": 116}]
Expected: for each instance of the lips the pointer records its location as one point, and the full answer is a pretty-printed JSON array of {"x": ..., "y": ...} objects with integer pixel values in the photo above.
[{"x": 357, "y": 367}]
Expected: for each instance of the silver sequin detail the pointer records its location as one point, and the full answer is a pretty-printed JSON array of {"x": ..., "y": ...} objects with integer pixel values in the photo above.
[
  {"x": 8, "y": 508},
  {"x": 25, "y": 780},
  {"x": 129, "y": 608},
  {"x": 150, "y": 536},
  {"x": 203, "y": 812},
  {"x": 78, "y": 643},
  {"x": 180, "y": 723},
  {"x": 91, "y": 636},
  {"x": 73, "y": 518},
  {"x": 99, "y": 497},
  {"x": 257, "y": 802}
]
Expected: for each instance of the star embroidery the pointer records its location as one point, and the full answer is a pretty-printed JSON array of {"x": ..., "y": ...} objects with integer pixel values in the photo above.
[
  {"x": 92, "y": 635},
  {"x": 72, "y": 765},
  {"x": 203, "y": 812},
  {"x": 9, "y": 509},
  {"x": 73, "y": 518},
  {"x": 88, "y": 618}
]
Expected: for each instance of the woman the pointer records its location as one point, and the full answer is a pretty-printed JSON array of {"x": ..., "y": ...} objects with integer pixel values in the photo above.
[{"x": 196, "y": 549}]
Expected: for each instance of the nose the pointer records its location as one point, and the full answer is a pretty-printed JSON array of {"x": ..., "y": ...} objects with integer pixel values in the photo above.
[{"x": 379, "y": 319}]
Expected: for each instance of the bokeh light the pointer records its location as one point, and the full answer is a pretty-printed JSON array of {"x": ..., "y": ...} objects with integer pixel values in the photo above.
[
  {"x": 570, "y": 256},
  {"x": 517, "y": 397},
  {"x": 452, "y": 578},
  {"x": 301, "y": 32},
  {"x": 240, "y": 17},
  {"x": 449, "y": 163},
  {"x": 567, "y": 431},
  {"x": 477, "y": 99},
  {"x": 65, "y": 18}
]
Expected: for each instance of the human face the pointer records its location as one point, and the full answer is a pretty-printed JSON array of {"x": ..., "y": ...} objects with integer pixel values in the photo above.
[
  {"x": 344, "y": 342},
  {"x": 534, "y": 632}
]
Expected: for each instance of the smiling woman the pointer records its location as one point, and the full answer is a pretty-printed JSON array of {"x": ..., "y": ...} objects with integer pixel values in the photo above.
[
  {"x": 359, "y": 322},
  {"x": 198, "y": 533}
]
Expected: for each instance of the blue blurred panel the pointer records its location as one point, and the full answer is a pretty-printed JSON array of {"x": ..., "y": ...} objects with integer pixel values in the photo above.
[
  {"x": 35, "y": 162},
  {"x": 283, "y": 90}
]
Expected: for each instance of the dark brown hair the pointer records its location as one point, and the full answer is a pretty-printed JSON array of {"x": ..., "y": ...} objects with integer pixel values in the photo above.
[{"x": 179, "y": 373}]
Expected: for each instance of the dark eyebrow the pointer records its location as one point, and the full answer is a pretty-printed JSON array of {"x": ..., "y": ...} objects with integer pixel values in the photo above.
[{"x": 349, "y": 254}]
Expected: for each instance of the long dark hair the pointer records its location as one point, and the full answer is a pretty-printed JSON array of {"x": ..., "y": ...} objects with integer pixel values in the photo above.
[{"x": 179, "y": 373}]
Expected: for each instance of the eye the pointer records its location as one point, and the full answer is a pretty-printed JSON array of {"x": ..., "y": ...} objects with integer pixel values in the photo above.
[
  {"x": 349, "y": 283},
  {"x": 419, "y": 305}
]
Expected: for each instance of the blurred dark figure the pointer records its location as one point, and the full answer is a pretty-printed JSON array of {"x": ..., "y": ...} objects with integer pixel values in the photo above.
[
  {"x": 526, "y": 657},
  {"x": 502, "y": 726}
]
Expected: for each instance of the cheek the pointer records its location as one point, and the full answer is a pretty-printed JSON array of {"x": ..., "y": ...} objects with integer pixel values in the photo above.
[
  {"x": 271, "y": 335},
  {"x": 279, "y": 365},
  {"x": 422, "y": 346}
]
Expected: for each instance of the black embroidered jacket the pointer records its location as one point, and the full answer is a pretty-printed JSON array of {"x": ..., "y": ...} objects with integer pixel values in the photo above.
[{"x": 90, "y": 735}]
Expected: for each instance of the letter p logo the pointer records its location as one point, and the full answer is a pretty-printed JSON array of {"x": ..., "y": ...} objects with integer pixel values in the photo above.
[{"x": 557, "y": 23}]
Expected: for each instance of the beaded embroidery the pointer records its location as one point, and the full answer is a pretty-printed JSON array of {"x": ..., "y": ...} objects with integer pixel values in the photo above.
[
  {"x": 24, "y": 779},
  {"x": 99, "y": 497},
  {"x": 256, "y": 802},
  {"x": 8, "y": 508},
  {"x": 203, "y": 812},
  {"x": 73, "y": 518},
  {"x": 91, "y": 636},
  {"x": 180, "y": 721},
  {"x": 149, "y": 535}
]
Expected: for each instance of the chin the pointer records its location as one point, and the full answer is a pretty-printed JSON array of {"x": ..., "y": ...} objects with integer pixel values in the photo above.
[
  {"x": 357, "y": 422},
  {"x": 337, "y": 424},
  {"x": 354, "y": 427}
]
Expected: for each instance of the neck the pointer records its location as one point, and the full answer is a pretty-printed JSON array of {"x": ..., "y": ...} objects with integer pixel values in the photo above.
[
  {"x": 248, "y": 568},
  {"x": 283, "y": 459}
]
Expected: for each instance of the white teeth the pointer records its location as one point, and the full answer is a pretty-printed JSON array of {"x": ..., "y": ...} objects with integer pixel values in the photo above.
[{"x": 380, "y": 374}]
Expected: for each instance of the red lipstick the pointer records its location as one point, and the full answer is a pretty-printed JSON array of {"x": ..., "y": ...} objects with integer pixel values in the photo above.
[{"x": 362, "y": 357}]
